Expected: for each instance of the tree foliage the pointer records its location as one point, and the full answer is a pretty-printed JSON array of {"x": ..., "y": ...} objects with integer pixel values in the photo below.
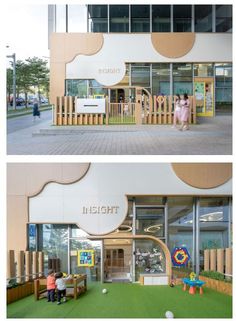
[{"x": 32, "y": 76}]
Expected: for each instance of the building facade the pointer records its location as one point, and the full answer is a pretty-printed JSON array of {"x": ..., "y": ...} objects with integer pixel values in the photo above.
[
  {"x": 166, "y": 49},
  {"x": 131, "y": 215}
]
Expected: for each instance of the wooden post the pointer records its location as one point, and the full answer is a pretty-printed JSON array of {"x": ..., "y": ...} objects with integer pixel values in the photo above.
[
  {"x": 60, "y": 111},
  {"x": 35, "y": 265},
  {"x": 194, "y": 110},
  {"x": 165, "y": 111},
  {"x": 41, "y": 263},
  {"x": 55, "y": 112},
  {"x": 65, "y": 110},
  {"x": 107, "y": 110},
  {"x": 220, "y": 260},
  {"x": 70, "y": 110},
  {"x": 155, "y": 111},
  {"x": 170, "y": 110},
  {"x": 75, "y": 288},
  {"x": 28, "y": 265},
  {"x": 228, "y": 261},
  {"x": 36, "y": 289},
  {"x": 213, "y": 259},
  {"x": 206, "y": 260},
  {"x": 11, "y": 271},
  {"x": 20, "y": 267}
]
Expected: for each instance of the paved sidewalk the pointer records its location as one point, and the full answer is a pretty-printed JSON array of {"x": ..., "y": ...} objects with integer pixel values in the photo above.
[{"x": 212, "y": 136}]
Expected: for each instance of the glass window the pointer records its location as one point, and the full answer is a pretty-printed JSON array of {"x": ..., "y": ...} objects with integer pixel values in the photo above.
[
  {"x": 140, "y": 18},
  {"x": 53, "y": 241},
  {"x": 93, "y": 273},
  {"x": 214, "y": 224},
  {"x": 32, "y": 237},
  {"x": 149, "y": 200},
  {"x": 224, "y": 18},
  {"x": 203, "y": 70},
  {"x": 150, "y": 221},
  {"x": 223, "y": 87},
  {"x": 160, "y": 18},
  {"x": 61, "y": 18},
  {"x": 180, "y": 228},
  {"x": 140, "y": 75},
  {"x": 182, "y": 18},
  {"x": 119, "y": 18},
  {"x": 76, "y": 87},
  {"x": 95, "y": 88},
  {"x": 161, "y": 79},
  {"x": 149, "y": 258},
  {"x": 98, "y": 20},
  {"x": 182, "y": 79},
  {"x": 77, "y": 18},
  {"x": 203, "y": 18}
]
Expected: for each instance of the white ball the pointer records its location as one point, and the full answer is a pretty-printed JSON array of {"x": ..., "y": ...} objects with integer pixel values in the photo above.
[
  {"x": 104, "y": 291},
  {"x": 169, "y": 315}
]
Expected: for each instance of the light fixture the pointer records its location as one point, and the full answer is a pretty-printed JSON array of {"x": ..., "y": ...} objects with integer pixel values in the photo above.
[
  {"x": 153, "y": 228},
  {"x": 124, "y": 228}
]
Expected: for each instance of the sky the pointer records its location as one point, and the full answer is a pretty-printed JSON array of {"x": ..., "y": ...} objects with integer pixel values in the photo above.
[{"x": 28, "y": 35}]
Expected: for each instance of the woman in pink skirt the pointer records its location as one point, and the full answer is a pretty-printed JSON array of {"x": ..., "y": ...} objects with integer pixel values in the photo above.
[
  {"x": 185, "y": 113},
  {"x": 177, "y": 111}
]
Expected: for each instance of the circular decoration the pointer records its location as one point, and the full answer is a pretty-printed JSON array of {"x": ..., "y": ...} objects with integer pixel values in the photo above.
[
  {"x": 203, "y": 175},
  {"x": 180, "y": 256}
]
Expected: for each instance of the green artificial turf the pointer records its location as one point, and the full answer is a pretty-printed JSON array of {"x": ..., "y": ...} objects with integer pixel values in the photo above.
[{"x": 128, "y": 301}]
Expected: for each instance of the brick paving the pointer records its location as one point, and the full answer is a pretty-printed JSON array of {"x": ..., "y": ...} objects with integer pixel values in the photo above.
[{"x": 212, "y": 136}]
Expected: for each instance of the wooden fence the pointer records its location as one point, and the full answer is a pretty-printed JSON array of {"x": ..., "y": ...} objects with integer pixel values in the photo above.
[
  {"x": 157, "y": 111},
  {"x": 24, "y": 266},
  {"x": 219, "y": 260}
]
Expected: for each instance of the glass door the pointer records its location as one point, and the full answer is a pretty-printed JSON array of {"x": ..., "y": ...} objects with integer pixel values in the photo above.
[{"x": 204, "y": 95}]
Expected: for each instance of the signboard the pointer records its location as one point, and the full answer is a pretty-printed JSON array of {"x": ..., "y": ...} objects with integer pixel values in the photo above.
[
  {"x": 180, "y": 256},
  {"x": 90, "y": 105},
  {"x": 199, "y": 90},
  {"x": 86, "y": 258}
]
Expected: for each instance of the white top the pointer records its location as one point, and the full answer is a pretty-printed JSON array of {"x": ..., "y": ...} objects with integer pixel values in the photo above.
[
  {"x": 177, "y": 105},
  {"x": 61, "y": 284}
]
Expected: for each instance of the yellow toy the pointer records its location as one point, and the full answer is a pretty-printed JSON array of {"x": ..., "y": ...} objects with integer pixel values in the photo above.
[{"x": 192, "y": 276}]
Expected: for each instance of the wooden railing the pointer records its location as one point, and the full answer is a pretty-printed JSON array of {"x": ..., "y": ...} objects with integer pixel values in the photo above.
[
  {"x": 219, "y": 260},
  {"x": 159, "y": 110}
]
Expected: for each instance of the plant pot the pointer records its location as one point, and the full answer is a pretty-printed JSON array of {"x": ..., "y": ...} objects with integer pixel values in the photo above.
[
  {"x": 220, "y": 286},
  {"x": 19, "y": 292}
]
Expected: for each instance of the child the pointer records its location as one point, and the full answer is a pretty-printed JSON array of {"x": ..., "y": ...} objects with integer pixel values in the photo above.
[
  {"x": 61, "y": 286},
  {"x": 51, "y": 286},
  {"x": 177, "y": 111}
]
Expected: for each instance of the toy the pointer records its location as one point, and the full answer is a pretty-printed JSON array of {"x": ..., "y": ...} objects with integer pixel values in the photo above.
[
  {"x": 192, "y": 276},
  {"x": 169, "y": 315},
  {"x": 104, "y": 291}
]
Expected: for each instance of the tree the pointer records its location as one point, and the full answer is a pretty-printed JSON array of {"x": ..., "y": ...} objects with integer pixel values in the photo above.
[
  {"x": 40, "y": 74},
  {"x": 24, "y": 79}
]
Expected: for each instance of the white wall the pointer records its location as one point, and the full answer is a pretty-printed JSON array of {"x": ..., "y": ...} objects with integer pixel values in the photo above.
[{"x": 107, "y": 185}]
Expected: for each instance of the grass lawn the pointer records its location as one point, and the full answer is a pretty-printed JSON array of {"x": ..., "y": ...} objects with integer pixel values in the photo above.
[{"x": 128, "y": 301}]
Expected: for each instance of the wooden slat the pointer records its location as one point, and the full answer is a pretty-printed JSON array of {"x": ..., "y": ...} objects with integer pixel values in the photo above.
[
  {"x": 206, "y": 260},
  {"x": 154, "y": 111},
  {"x": 28, "y": 265},
  {"x": 170, "y": 110},
  {"x": 35, "y": 264},
  {"x": 11, "y": 271},
  {"x": 220, "y": 260},
  {"x": 228, "y": 261},
  {"x": 70, "y": 121},
  {"x": 213, "y": 259},
  {"x": 20, "y": 266},
  {"x": 41, "y": 263},
  {"x": 60, "y": 111},
  {"x": 165, "y": 111}
]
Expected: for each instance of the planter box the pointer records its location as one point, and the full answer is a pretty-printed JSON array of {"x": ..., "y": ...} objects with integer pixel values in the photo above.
[
  {"x": 19, "y": 292},
  {"x": 220, "y": 286}
]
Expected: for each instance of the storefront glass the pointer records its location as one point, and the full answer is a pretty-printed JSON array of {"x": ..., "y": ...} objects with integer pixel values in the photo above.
[
  {"x": 150, "y": 221},
  {"x": 161, "y": 79},
  {"x": 140, "y": 75},
  {"x": 161, "y": 18},
  {"x": 53, "y": 241},
  {"x": 32, "y": 237},
  {"x": 214, "y": 225},
  {"x": 149, "y": 258},
  {"x": 223, "y": 18},
  {"x": 119, "y": 18},
  {"x": 182, "y": 79},
  {"x": 76, "y": 87},
  {"x": 98, "y": 19},
  {"x": 223, "y": 87},
  {"x": 180, "y": 228},
  {"x": 182, "y": 18},
  {"x": 140, "y": 18},
  {"x": 203, "y": 18}
]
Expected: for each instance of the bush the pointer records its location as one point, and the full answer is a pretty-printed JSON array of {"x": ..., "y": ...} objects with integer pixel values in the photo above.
[{"x": 215, "y": 275}]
